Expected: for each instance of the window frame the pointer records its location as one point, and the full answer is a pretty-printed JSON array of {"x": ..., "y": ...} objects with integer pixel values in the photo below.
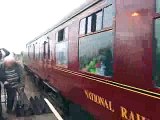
[
  {"x": 93, "y": 22},
  {"x": 102, "y": 26},
  {"x": 64, "y": 35},
  {"x": 89, "y": 73}
]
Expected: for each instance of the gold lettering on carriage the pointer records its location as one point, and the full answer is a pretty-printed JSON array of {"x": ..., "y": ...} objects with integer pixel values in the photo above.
[
  {"x": 130, "y": 115},
  {"x": 124, "y": 112},
  {"x": 99, "y": 100}
]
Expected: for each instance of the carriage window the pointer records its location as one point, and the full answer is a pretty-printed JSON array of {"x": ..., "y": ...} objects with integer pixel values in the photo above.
[
  {"x": 93, "y": 23},
  {"x": 82, "y": 26},
  {"x": 36, "y": 51},
  {"x": 33, "y": 51},
  {"x": 62, "y": 50},
  {"x": 45, "y": 50},
  {"x": 108, "y": 16},
  {"x": 157, "y": 6},
  {"x": 39, "y": 51},
  {"x": 48, "y": 47},
  {"x": 96, "y": 53},
  {"x": 157, "y": 38},
  {"x": 49, "y": 51}
]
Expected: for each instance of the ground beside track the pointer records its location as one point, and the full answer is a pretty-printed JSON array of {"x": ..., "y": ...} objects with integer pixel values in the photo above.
[{"x": 30, "y": 90}]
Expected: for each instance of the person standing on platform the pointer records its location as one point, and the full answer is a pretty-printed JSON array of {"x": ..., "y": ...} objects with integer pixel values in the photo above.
[
  {"x": 3, "y": 54},
  {"x": 14, "y": 79}
]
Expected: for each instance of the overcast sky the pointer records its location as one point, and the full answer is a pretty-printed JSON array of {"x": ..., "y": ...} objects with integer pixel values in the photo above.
[{"x": 23, "y": 20}]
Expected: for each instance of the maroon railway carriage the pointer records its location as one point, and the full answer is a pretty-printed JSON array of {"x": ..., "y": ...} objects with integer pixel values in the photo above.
[{"x": 105, "y": 58}]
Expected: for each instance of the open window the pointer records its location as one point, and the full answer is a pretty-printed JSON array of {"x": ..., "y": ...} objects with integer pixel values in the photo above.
[
  {"x": 36, "y": 51},
  {"x": 45, "y": 50},
  {"x": 61, "y": 35},
  {"x": 48, "y": 50},
  {"x": 62, "y": 48}
]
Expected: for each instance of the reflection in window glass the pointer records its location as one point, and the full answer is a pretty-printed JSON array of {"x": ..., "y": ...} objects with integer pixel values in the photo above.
[
  {"x": 108, "y": 16},
  {"x": 157, "y": 6},
  {"x": 157, "y": 38},
  {"x": 62, "y": 54},
  {"x": 99, "y": 21},
  {"x": 82, "y": 26},
  {"x": 95, "y": 53},
  {"x": 89, "y": 22}
]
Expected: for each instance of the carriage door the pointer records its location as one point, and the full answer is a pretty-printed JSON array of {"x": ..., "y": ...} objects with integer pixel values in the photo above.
[{"x": 46, "y": 55}]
